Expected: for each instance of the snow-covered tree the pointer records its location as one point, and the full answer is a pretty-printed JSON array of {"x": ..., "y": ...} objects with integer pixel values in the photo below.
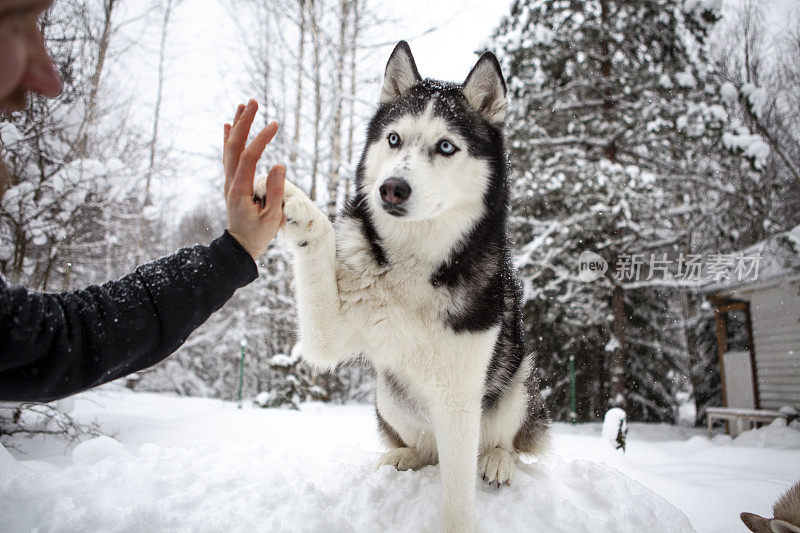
[
  {"x": 74, "y": 160},
  {"x": 615, "y": 133}
]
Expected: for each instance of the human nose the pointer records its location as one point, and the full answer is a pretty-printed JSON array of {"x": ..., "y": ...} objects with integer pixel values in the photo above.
[{"x": 41, "y": 75}]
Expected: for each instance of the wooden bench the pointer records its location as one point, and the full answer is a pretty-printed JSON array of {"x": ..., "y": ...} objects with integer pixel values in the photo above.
[{"x": 737, "y": 418}]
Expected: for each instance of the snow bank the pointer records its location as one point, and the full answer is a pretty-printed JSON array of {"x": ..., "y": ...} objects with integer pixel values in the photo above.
[
  {"x": 202, "y": 465},
  {"x": 97, "y": 450},
  {"x": 198, "y": 464},
  {"x": 319, "y": 488},
  {"x": 776, "y": 435}
]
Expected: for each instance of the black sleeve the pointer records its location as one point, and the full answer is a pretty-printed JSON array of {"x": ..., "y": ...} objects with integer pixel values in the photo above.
[{"x": 53, "y": 345}]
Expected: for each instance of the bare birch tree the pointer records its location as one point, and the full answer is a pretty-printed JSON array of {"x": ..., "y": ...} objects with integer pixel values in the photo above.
[
  {"x": 316, "y": 69},
  {"x": 334, "y": 171},
  {"x": 298, "y": 106}
]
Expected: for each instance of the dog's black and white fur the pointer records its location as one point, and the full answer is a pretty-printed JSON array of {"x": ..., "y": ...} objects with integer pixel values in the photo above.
[{"x": 418, "y": 279}]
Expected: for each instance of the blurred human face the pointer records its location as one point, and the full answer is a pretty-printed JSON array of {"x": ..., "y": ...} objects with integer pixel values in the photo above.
[{"x": 26, "y": 66}]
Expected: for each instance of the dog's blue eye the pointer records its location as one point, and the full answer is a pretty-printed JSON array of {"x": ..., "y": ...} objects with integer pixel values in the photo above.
[
  {"x": 394, "y": 140},
  {"x": 446, "y": 147}
]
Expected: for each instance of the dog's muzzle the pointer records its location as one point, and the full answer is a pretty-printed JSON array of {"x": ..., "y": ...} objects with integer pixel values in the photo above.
[{"x": 395, "y": 193}]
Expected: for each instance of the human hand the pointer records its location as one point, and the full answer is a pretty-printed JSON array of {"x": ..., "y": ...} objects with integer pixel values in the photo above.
[{"x": 253, "y": 224}]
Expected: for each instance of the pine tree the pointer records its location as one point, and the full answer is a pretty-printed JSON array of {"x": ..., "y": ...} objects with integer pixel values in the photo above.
[{"x": 614, "y": 127}]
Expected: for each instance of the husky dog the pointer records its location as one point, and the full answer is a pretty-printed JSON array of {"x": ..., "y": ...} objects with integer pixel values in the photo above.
[
  {"x": 786, "y": 512},
  {"x": 418, "y": 279}
]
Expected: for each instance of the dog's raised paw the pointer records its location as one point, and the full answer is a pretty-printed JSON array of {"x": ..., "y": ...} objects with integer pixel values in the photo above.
[
  {"x": 496, "y": 466},
  {"x": 260, "y": 189},
  {"x": 404, "y": 459},
  {"x": 304, "y": 222}
]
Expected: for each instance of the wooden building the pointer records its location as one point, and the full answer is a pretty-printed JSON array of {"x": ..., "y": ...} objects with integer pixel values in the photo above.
[{"x": 758, "y": 332}]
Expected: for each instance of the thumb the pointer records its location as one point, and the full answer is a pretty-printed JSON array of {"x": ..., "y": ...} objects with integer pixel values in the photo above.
[{"x": 275, "y": 181}]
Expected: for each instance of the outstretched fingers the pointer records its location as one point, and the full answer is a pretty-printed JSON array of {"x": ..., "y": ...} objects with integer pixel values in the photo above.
[
  {"x": 242, "y": 184},
  {"x": 235, "y": 139},
  {"x": 227, "y": 131}
]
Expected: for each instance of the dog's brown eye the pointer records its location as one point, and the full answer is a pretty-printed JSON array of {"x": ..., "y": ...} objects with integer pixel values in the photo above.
[{"x": 394, "y": 140}]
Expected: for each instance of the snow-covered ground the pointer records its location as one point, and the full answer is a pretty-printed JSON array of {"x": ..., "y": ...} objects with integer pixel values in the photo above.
[{"x": 190, "y": 464}]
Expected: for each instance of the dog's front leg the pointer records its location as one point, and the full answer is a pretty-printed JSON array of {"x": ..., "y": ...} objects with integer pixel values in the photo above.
[
  {"x": 457, "y": 427},
  {"x": 310, "y": 234}
]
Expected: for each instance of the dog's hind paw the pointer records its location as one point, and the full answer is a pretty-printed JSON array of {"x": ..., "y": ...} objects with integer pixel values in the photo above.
[
  {"x": 404, "y": 459},
  {"x": 304, "y": 222},
  {"x": 497, "y": 466}
]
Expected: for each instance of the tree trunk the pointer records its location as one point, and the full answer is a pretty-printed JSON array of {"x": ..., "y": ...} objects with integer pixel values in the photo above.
[
  {"x": 334, "y": 171},
  {"x": 301, "y": 48},
  {"x": 617, "y": 365},
  {"x": 154, "y": 137},
  {"x": 82, "y": 144},
  {"x": 317, "y": 70},
  {"x": 265, "y": 63},
  {"x": 690, "y": 340},
  {"x": 352, "y": 99}
]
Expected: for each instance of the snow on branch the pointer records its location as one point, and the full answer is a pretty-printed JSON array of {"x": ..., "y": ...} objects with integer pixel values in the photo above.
[
  {"x": 568, "y": 140},
  {"x": 30, "y": 419},
  {"x": 751, "y": 144}
]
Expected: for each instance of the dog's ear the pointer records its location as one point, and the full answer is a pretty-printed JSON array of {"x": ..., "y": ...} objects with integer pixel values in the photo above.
[
  {"x": 755, "y": 523},
  {"x": 485, "y": 89},
  {"x": 401, "y": 73}
]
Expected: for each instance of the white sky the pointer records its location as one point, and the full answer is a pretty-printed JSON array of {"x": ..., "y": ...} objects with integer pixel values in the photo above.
[
  {"x": 447, "y": 53},
  {"x": 205, "y": 75}
]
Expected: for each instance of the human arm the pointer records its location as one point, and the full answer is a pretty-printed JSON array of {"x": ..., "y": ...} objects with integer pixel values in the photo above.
[{"x": 53, "y": 345}]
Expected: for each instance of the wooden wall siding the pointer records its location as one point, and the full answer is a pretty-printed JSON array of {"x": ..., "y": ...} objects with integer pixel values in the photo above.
[{"x": 776, "y": 335}]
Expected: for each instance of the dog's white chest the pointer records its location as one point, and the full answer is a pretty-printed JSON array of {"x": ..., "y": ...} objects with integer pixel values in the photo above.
[
  {"x": 398, "y": 306},
  {"x": 400, "y": 315}
]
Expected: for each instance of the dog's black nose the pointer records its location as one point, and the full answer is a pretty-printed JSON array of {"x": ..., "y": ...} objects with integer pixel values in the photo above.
[{"x": 395, "y": 191}]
